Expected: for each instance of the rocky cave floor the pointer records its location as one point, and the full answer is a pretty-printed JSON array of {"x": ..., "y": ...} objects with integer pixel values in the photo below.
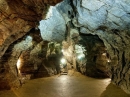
[{"x": 72, "y": 85}]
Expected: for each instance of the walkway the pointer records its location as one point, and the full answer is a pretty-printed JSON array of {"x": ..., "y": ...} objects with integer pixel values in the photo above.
[{"x": 72, "y": 85}]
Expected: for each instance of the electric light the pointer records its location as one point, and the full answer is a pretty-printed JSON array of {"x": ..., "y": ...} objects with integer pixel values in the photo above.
[
  {"x": 62, "y": 50},
  {"x": 79, "y": 57},
  {"x": 63, "y": 61},
  {"x": 18, "y": 65},
  {"x": 108, "y": 60}
]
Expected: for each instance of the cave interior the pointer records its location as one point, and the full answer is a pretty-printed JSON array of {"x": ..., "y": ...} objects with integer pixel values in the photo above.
[{"x": 45, "y": 38}]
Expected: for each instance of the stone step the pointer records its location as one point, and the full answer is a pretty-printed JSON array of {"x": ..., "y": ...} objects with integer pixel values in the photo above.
[{"x": 64, "y": 73}]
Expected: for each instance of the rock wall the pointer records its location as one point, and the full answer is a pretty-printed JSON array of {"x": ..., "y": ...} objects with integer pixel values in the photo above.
[
  {"x": 110, "y": 21},
  {"x": 27, "y": 58},
  {"x": 17, "y": 17},
  {"x": 51, "y": 30},
  {"x": 10, "y": 61},
  {"x": 53, "y": 56},
  {"x": 96, "y": 55}
]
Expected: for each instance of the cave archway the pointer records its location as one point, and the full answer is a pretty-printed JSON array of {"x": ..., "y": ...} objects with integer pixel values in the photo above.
[{"x": 96, "y": 58}]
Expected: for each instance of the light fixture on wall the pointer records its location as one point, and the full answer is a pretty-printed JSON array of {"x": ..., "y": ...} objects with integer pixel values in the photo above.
[{"x": 19, "y": 65}]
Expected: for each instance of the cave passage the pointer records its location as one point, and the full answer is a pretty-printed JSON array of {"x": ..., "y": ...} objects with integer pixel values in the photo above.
[{"x": 64, "y": 48}]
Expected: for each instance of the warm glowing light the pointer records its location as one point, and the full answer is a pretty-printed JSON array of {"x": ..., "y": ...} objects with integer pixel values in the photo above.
[
  {"x": 63, "y": 61},
  {"x": 18, "y": 65},
  {"x": 108, "y": 60},
  {"x": 104, "y": 54}
]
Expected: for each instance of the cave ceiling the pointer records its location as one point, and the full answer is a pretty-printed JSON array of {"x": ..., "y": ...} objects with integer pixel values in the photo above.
[{"x": 17, "y": 17}]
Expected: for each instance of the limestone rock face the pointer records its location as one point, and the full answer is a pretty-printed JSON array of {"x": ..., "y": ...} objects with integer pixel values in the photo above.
[
  {"x": 95, "y": 13},
  {"x": 107, "y": 19},
  {"x": 17, "y": 17},
  {"x": 110, "y": 21},
  {"x": 96, "y": 56},
  {"x": 53, "y": 27}
]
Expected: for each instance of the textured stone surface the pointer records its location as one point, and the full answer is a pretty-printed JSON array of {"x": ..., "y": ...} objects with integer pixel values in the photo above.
[
  {"x": 92, "y": 5},
  {"x": 17, "y": 17},
  {"x": 26, "y": 59},
  {"x": 53, "y": 56},
  {"x": 53, "y": 27},
  {"x": 110, "y": 21},
  {"x": 109, "y": 15},
  {"x": 96, "y": 56}
]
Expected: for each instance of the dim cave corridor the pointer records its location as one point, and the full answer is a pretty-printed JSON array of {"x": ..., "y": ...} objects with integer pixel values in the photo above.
[{"x": 72, "y": 85}]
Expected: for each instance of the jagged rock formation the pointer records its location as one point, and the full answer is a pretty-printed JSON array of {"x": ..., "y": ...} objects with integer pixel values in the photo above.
[
  {"x": 51, "y": 30},
  {"x": 54, "y": 56},
  {"x": 17, "y": 17},
  {"x": 96, "y": 56},
  {"x": 110, "y": 21},
  {"x": 16, "y": 58},
  {"x": 27, "y": 58}
]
